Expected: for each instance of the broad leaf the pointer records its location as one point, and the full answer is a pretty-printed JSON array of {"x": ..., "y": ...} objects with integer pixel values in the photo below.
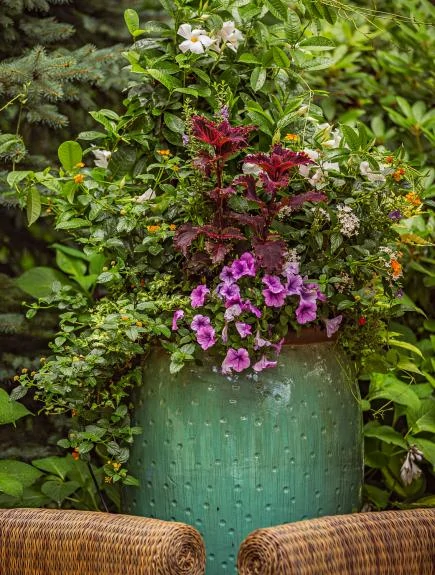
[
  {"x": 10, "y": 411},
  {"x": 55, "y": 465},
  {"x": 22, "y": 472},
  {"x": 33, "y": 205},
  {"x": 38, "y": 282},
  {"x": 70, "y": 154}
]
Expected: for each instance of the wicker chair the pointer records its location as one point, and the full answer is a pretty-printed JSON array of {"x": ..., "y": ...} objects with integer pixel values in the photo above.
[
  {"x": 382, "y": 543},
  {"x": 58, "y": 542}
]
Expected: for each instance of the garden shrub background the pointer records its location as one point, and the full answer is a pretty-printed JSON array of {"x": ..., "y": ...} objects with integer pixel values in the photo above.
[{"x": 380, "y": 72}]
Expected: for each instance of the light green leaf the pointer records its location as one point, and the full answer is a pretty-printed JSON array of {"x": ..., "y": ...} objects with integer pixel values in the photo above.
[
  {"x": 386, "y": 434},
  {"x": 277, "y": 8},
  {"x": 131, "y": 19},
  {"x": 70, "y": 265},
  {"x": 249, "y": 58},
  {"x": 405, "y": 345},
  {"x": 280, "y": 57},
  {"x": 387, "y": 386},
  {"x": 70, "y": 154},
  {"x": 258, "y": 77},
  {"x": 318, "y": 43},
  {"x": 164, "y": 78},
  {"x": 351, "y": 137},
  {"x": 38, "y": 281},
  {"x": 33, "y": 205},
  {"x": 16, "y": 177},
  {"x": 10, "y": 411}
]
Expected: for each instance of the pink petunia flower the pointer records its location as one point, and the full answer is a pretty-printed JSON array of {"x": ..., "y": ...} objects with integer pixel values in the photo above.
[
  {"x": 198, "y": 295},
  {"x": 273, "y": 283},
  {"x": 244, "y": 329},
  {"x": 273, "y": 299},
  {"x": 306, "y": 311},
  {"x": 205, "y": 336},
  {"x": 199, "y": 321},
  {"x": 178, "y": 314},
  {"x": 264, "y": 363},
  {"x": 332, "y": 325},
  {"x": 236, "y": 359}
]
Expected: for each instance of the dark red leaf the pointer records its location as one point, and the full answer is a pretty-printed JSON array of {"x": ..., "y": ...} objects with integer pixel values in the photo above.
[
  {"x": 217, "y": 250},
  {"x": 184, "y": 237},
  {"x": 312, "y": 196},
  {"x": 270, "y": 254}
]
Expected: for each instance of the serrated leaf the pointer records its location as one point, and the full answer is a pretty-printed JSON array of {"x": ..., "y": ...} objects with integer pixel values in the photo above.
[
  {"x": 33, "y": 205},
  {"x": 10, "y": 411},
  {"x": 70, "y": 154},
  {"x": 280, "y": 57},
  {"x": 258, "y": 77},
  {"x": 351, "y": 137},
  {"x": 318, "y": 42},
  {"x": 277, "y": 8}
]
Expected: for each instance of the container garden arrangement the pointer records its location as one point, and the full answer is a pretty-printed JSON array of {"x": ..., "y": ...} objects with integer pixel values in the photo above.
[{"x": 231, "y": 256}]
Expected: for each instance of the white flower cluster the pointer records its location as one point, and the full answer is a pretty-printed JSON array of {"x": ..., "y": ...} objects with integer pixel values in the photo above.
[
  {"x": 349, "y": 223},
  {"x": 410, "y": 470},
  {"x": 319, "y": 178},
  {"x": 197, "y": 40},
  {"x": 320, "y": 213},
  {"x": 102, "y": 158}
]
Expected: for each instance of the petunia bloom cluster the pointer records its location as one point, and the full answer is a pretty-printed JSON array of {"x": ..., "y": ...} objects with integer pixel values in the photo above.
[{"x": 243, "y": 314}]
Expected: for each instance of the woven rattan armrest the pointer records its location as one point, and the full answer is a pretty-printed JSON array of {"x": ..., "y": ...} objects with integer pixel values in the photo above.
[
  {"x": 381, "y": 543},
  {"x": 59, "y": 542}
]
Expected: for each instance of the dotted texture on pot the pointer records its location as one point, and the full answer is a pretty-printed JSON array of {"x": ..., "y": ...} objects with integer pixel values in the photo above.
[{"x": 232, "y": 454}]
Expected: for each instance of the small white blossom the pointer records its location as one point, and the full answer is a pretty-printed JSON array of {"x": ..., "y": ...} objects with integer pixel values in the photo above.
[
  {"x": 410, "y": 470},
  {"x": 230, "y": 35},
  {"x": 334, "y": 141},
  {"x": 196, "y": 40},
  {"x": 251, "y": 169},
  {"x": 349, "y": 223},
  {"x": 102, "y": 158},
  {"x": 365, "y": 170},
  {"x": 320, "y": 213},
  {"x": 150, "y": 194}
]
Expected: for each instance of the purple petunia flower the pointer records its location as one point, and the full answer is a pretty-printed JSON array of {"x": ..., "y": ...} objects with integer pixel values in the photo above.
[
  {"x": 306, "y": 311},
  {"x": 245, "y": 266},
  {"x": 185, "y": 139},
  {"x": 277, "y": 346},
  {"x": 227, "y": 275},
  {"x": 197, "y": 297},
  {"x": 250, "y": 262},
  {"x": 272, "y": 299},
  {"x": 228, "y": 291},
  {"x": 395, "y": 215},
  {"x": 248, "y": 306},
  {"x": 309, "y": 292},
  {"x": 294, "y": 285},
  {"x": 244, "y": 329},
  {"x": 237, "y": 359},
  {"x": 290, "y": 268},
  {"x": 178, "y": 314},
  {"x": 273, "y": 283},
  {"x": 199, "y": 321},
  {"x": 332, "y": 325},
  {"x": 232, "y": 312},
  {"x": 205, "y": 336},
  {"x": 260, "y": 342},
  {"x": 264, "y": 363}
]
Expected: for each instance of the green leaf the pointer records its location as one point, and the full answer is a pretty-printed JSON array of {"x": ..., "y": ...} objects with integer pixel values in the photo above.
[
  {"x": 387, "y": 386},
  {"x": 377, "y": 496},
  {"x": 70, "y": 265},
  {"x": 38, "y": 281},
  {"x": 318, "y": 42},
  {"x": 55, "y": 465},
  {"x": 351, "y": 137},
  {"x": 405, "y": 345},
  {"x": 280, "y": 57},
  {"x": 16, "y": 177},
  {"x": 293, "y": 28},
  {"x": 277, "y": 8},
  {"x": 91, "y": 135},
  {"x": 10, "y": 411},
  {"x": 70, "y": 154},
  {"x": 248, "y": 58},
  {"x": 10, "y": 485},
  {"x": 58, "y": 491},
  {"x": 164, "y": 78},
  {"x": 131, "y": 19},
  {"x": 174, "y": 123},
  {"x": 258, "y": 77},
  {"x": 336, "y": 241},
  {"x": 22, "y": 472},
  {"x": 386, "y": 434},
  {"x": 426, "y": 422},
  {"x": 33, "y": 205}
]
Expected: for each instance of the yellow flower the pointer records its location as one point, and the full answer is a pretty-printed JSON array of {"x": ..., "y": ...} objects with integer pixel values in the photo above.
[
  {"x": 398, "y": 174},
  {"x": 79, "y": 178},
  {"x": 24, "y": 370},
  {"x": 172, "y": 227},
  {"x": 396, "y": 268},
  {"x": 139, "y": 324},
  {"x": 42, "y": 359},
  {"x": 116, "y": 466},
  {"x": 153, "y": 229},
  {"x": 164, "y": 152},
  {"x": 79, "y": 165},
  {"x": 16, "y": 377},
  {"x": 291, "y": 138},
  {"x": 107, "y": 480}
]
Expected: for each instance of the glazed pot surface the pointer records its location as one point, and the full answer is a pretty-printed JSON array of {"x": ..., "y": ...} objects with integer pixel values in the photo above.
[{"x": 231, "y": 454}]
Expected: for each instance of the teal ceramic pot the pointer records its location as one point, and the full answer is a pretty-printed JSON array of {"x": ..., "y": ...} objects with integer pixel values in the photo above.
[{"x": 231, "y": 454}]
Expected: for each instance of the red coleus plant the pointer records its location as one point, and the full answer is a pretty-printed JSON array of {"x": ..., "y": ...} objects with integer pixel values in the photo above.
[{"x": 269, "y": 192}]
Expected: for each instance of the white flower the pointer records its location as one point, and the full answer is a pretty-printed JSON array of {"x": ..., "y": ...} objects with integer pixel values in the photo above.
[
  {"x": 335, "y": 140},
  {"x": 410, "y": 470},
  {"x": 196, "y": 40},
  {"x": 102, "y": 158},
  {"x": 251, "y": 169},
  {"x": 150, "y": 194},
  {"x": 230, "y": 35},
  {"x": 349, "y": 223},
  {"x": 365, "y": 170}
]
